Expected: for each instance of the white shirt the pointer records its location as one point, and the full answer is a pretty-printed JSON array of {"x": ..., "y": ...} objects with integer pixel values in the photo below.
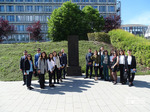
[
  {"x": 129, "y": 60},
  {"x": 111, "y": 57},
  {"x": 122, "y": 59},
  {"x": 51, "y": 65}
]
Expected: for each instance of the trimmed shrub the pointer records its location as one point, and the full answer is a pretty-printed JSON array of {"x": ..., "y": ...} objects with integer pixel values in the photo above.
[
  {"x": 99, "y": 36},
  {"x": 125, "y": 40}
]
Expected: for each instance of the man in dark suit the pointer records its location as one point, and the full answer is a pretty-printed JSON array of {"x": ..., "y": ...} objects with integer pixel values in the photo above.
[
  {"x": 130, "y": 64},
  {"x": 100, "y": 53},
  {"x": 22, "y": 65},
  {"x": 64, "y": 55},
  {"x": 89, "y": 63}
]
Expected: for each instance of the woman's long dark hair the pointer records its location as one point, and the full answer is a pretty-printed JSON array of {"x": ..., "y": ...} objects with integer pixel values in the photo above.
[
  {"x": 49, "y": 57},
  {"x": 41, "y": 57},
  {"x": 30, "y": 57},
  {"x": 122, "y": 51}
]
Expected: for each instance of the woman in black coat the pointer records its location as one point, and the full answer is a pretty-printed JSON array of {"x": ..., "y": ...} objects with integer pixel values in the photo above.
[{"x": 29, "y": 70}]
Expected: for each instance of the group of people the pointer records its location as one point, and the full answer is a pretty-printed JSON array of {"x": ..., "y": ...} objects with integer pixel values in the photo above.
[
  {"x": 116, "y": 61},
  {"x": 52, "y": 63}
]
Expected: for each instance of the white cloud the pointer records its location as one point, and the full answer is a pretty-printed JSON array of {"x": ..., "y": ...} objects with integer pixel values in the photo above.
[{"x": 143, "y": 18}]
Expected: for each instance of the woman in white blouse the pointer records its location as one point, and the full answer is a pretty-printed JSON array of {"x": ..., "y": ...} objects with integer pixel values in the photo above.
[
  {"x": 57, "y": 66},
  {"x": 111, "y": 63},
  {"x": 51, "y": 67},
  {"x": 121, "y": 66}
]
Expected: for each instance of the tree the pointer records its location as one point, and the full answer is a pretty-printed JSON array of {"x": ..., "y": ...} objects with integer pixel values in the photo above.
[
  {"x": 5, "y": 29},
  {"x": 65, "y": 21},
  {"x": 70, "y": 20},
  {"x": 92, "y": 19},
  {"x": 35, "y": 30},
  {"x": 112, "y": 23}
]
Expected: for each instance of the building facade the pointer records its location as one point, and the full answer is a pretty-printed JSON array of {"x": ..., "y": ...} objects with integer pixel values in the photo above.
[
  {"x": 23, "y": 13},
  {"x": 147, "y": 34},
  {"x": 135, "y": 29}
]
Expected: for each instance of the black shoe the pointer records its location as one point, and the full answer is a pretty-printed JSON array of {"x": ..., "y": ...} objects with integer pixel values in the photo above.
[
  {"x": 85, "y": 77},
  {"x": 38, "y": 81},
  {"x": 24, "y": 84},
  {"x": 115, "y": 83},
  {"x": 30, "y": 88},
  {"x": 54, "y": 82},
  {"x": 132, "y": 84},
  {"x": 58, "y": 83}
]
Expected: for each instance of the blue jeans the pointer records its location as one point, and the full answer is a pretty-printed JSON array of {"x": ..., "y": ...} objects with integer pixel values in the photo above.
[
  {"x": 28, "y": 79},
  {"x": 105, "y": 70},
  {"x": 87, "y": 69}
]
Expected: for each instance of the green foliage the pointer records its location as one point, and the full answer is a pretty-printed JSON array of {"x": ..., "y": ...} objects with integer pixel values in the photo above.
[
  {"x": 70, "y": 20},
  {"x": 10, "y": 55},
  {"x": 140, "y": 46},
  {"x": 92, "y": 19},
  {"x": 99, "y": 36}
]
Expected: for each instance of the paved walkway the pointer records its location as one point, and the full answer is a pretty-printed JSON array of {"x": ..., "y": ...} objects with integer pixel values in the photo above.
[{"x": 76, "y": 95}]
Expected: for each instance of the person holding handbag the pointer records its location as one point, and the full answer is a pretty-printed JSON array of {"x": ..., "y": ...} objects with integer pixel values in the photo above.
[
  {"x": 57, "y": 66},
  {"x": 96, "y": 60},
  {"x": 42, "y": 68},
  {"x": 130, "y": 67},
  {"x": 114, "y": 66},
  {"x": 29, "y": 70},
  {"x": 51, "y": 67}
]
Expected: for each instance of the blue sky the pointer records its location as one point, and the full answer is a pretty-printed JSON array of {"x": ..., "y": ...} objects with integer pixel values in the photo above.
[{"x": 135, "y": 12}]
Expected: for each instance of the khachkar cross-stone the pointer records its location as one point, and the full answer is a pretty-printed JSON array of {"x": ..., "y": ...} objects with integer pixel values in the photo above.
[{"x": 73, "y": 68}]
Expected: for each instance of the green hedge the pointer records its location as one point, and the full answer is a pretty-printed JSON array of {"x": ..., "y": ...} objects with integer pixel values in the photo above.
[
  {"x": 99, "y": 36},
  {"x": 125, "y": 40}
]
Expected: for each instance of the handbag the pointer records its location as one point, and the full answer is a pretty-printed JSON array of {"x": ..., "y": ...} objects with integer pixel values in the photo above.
[
  {"x": 125, "y": 75},
  {"x": 132, "y": 71},
  {"x": 35, "y": 74}
]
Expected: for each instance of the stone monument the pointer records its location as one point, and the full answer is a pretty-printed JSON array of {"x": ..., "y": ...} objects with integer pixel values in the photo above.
[{"x": 73, "y": 68}]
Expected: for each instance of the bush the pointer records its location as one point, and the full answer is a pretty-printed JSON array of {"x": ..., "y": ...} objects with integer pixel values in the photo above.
[
  {"x": 125, "y": 40},
  {"x": 99, "y": 36}
]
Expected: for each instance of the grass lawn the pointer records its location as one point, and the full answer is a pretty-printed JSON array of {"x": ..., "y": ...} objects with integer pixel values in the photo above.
[{"x": 10, "y": 56}]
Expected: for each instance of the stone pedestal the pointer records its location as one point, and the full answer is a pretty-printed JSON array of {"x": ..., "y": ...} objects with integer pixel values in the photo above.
[{"x": 73, "y": 68}]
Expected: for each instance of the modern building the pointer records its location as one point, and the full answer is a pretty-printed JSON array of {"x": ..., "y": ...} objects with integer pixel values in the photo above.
[
  {"x": 23, "y": 13},
  {"x": 147, "y": 34},
  {"x": 136, "y": 29}
]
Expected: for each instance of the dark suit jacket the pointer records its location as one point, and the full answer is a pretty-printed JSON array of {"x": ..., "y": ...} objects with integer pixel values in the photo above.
[
  {"x": 62, "y": 62},
  {"x": 27, "y": 65},
  {"x": 133, "y": 62},
  {"x": 22, "y": 61},
  {"x": 65, "y": 58}
]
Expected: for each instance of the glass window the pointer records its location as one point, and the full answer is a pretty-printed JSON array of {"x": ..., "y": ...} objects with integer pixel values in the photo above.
[
  {"x": 95, "y": 7},
  {"x": 9, "y": 0},
  {"x": 39, "y": 18},
  {"x": 102, "y": 8},
  {"x": 1, "y": 0},
  {"x": 29, "y": 18},
  {"x": 2, "y": 17},
  {"x": 48, "y": 8},
  {"x": 56, "y": 7},
  {"x": 29, "y": 8},
  {"x": 65, "y": 0},
  {"x": 11, "y": 18},
  {"x": 38, "y": 8},
  {"x": 19, "y": 8},
  {"x": 10, "y": 8},
  {"x": 2, "y": 8},
  {"x": 111, "y": 8},
  {"x": 111, "y": 0},
  {"x": 57, "y": 0},
  {"x": 75, "y": 0},
  {"x": 19, "y": 0},
  {"x": 20, "y": 27},
  {"x": 38, "y": 0},
  {"x": 48, "y": 0},
  {"x": 82, "y": 7},
  {"x": 29, "y": 0},
  {"x": 102, "y": 0},
  {"x": 84, "y": 0},
  {"x": 19, "y": 18},
  {"x": 93, "y": 0}
]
